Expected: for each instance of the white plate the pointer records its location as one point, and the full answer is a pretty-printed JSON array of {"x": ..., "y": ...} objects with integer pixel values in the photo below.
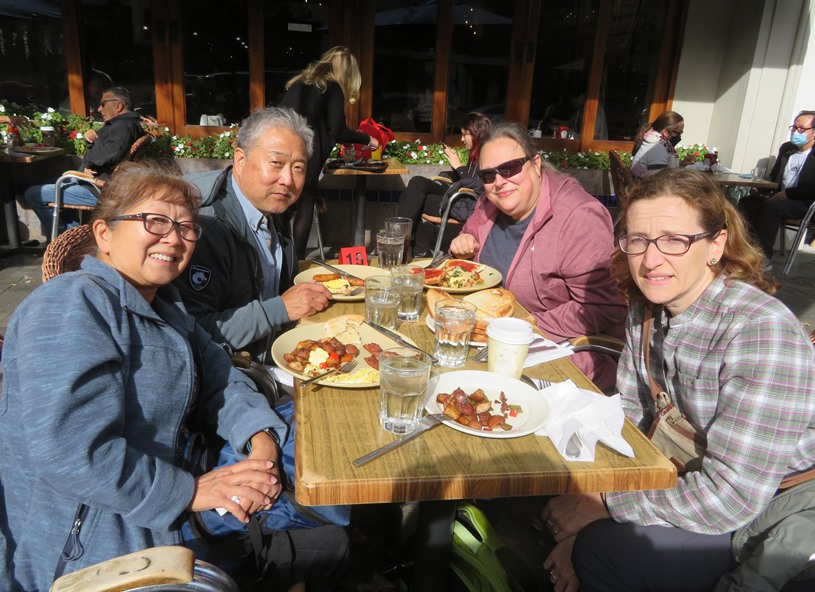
[
  {"x": 286, "y": 342},
  {"x": 534, "y": 409},
  {"x": 428, "y": 320},
  {"x": 361, "y": 271},
  {"x": 491, "y": 276}
]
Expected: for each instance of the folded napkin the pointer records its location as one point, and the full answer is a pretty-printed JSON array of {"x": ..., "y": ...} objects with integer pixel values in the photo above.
[
  {"x": 590, "y": 415},
  {"x": 544, "y": 350}
]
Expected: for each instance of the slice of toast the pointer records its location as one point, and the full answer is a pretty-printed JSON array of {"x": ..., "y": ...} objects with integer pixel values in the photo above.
[
  {"x": 434, "y": 295},
  {"x": 493, "y": 303}
]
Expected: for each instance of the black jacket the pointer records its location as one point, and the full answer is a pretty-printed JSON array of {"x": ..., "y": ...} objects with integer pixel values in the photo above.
[
  {"x": 805, "y": 191},
  {"x": 113, "y": 143}
]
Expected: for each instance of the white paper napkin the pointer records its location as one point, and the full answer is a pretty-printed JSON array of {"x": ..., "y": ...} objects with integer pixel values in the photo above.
[
  {"x": 592, "y": 416},
  {"x": 544, "y": 350}
]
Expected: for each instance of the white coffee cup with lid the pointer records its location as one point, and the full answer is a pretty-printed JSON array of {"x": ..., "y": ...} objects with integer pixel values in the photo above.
[{"x": 508, "y": 342}]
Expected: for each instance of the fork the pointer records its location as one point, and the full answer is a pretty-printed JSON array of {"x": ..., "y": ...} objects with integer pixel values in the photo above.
[
  {"x": 356, "y": 291},
  {"x": 439, "y": 259},
  {"x": 481, "y": 355},
  {"x": 344, "y": 369}
]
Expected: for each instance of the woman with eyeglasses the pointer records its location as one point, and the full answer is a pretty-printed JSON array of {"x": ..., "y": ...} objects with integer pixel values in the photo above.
[
  {"x": 105, "y": 376},
  {"x": 738, "y": 365},
  {"x": 655, "y": 145},
  {"x": 551, "y": 241}
]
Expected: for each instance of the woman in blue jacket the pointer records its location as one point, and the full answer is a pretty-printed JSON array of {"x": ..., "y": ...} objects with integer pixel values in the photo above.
[{"x": 105, "y": 375}]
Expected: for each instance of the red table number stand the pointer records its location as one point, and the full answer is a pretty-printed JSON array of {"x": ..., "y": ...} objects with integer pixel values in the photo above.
[{"x": 353, "y": 256}]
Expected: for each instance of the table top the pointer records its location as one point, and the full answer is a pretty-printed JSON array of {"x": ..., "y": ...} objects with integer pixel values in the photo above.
[
  {"x": 20, "y": 157},
  {"x": 736, "y": 180},
  {"x": 394, "y": 168},
  {"x": 336, "y": 426}
]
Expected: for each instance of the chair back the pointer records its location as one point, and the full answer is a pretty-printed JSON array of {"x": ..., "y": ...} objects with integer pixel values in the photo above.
[
  {"x": 139, "y": 148},
  {"x": 65, "y": 253},
  {"x": 621, "y": 177}
]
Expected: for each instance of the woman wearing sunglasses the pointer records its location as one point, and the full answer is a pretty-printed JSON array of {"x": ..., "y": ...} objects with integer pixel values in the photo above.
[
  {"x": 105, "y": 376},
  {"x": 551, "y": 241},
  {"x": 737, "y": 364},
  {"x": 655, "y": 145}
]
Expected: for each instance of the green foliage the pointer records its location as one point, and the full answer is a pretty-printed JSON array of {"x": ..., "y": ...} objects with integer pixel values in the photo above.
[
  {"x": 696, "y": 152},
  {"x": 561, "y": 159}
]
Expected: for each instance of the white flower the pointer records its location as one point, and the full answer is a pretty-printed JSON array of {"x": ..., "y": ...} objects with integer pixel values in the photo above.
[
  {"x": 50, "y": 110},
  {"x": 2, "y": 109},
  {"x": 597, "y": 154},
  {"x": 413, "y": 155},
  {"x": 174, "y": 138},
  {"x": 166, "y": 129},
  {"x": 226, "y": 154}
]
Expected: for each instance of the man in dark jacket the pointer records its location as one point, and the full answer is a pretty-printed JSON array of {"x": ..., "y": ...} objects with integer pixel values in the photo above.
[
  {"x": 104, "y": 149},
  {"x": 794, "y": 171},
  {"x": 238, "y": 282}
]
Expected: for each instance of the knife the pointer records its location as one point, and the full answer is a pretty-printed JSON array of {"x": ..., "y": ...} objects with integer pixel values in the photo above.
[
  {"x": 336, "y": 269},
  {"x": 399, "y": 339},
  {"x": 427, "y": 423}
]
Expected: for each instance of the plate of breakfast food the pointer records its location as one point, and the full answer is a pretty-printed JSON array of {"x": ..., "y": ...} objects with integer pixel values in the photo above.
[
  {"x": 312, "y": 349},
  {"x": 459, "y": 276},
  {"x": 486, "y": 404},
  {"x": 341, "y": 287},
  {"x": 493, "y": 303}
]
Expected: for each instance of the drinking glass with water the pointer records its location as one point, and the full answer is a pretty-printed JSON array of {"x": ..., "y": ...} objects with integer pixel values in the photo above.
[
  {"x": 454, "y": 322},
  {"x": 381, "y": 301},
  {"x": 409, "y": 281},
  {"x": 389, "y": 248},
  {"x": 403, "y": 378},
  {"x": 404, "y": 228}
]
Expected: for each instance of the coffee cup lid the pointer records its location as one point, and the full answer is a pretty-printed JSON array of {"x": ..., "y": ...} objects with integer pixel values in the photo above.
[{"x": 509, "y": 330}]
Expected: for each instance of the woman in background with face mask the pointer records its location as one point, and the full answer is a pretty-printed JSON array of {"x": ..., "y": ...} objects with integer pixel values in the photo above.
[{"x": 654, "y": 145}]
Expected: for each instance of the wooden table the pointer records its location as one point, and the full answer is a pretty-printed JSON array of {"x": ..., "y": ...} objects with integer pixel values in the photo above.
[
  {"x": 736, "y": 180},
  {"x": 8, "y": 192},
  {"x": 394, "y": 168}
]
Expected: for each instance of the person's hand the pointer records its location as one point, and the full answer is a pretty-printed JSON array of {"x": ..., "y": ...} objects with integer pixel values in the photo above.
[
  {"x": 306, "y": 299},
  {"x": 263, "y": 447},
  {"x": 373, "y": 143},
  {"x": 452, "y": 156},
  {"x": 91, "y": 135},
  {"x": 779, "y": 195},
  {"x": 560, "y": 568},
  {"x": 249, "y": 480},
  {"x": 464, "y": 246},
  {"x": 568, "y": 514},
  {"x": 89, "y": 172}
]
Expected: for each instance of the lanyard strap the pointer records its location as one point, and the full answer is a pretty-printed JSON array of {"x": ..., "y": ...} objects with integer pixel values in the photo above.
[{"x": 647, "y": 323}]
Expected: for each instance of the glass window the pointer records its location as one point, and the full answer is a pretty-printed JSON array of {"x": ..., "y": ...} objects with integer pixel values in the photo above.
[
  {"x": 631, "y": 61},
  {"x": 295, "y": 34},
  {"x": 404, "y": 64},
  {"x": 118, "y": 50},
  {"x": 562, "y": 65},
  {"x": 31, "y": 57},
  {"x": 216, "y": 61},
  {"x": 479, "y": 65}
]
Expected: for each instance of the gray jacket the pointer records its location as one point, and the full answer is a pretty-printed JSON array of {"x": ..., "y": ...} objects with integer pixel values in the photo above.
[
  {"x": 97, "y": 387},
  {"x": 222, "y": 285}
]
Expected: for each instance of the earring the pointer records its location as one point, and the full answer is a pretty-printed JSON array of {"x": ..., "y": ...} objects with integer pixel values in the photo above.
[{"x": 713, "y": 262}]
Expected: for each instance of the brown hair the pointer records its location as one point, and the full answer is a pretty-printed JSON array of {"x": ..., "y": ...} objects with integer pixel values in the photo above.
[
  {"x": 477, "y": 124},
  {"x": 337, "y": 64},
  {"x": 667, "y": 120},
  {"x": 741, "y": 259},
  {"x": 135, "y": 182}
]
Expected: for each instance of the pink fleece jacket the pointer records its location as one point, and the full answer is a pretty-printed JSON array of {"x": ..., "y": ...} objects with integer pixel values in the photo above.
[{"x": 561, "y": 270}]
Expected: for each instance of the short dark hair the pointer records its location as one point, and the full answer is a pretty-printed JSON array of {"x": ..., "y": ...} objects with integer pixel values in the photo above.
[{"x": 120, "y": 94}]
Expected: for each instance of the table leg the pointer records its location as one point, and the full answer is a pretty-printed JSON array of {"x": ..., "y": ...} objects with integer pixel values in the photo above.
[
  {"x": 360, "y": 201},
  {"x": 7, "y": 194},
  {"x": 434, "y": 541}
]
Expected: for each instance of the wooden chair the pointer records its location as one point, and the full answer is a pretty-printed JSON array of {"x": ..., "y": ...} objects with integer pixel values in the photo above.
[
  {"x": 801, "y": 226},
  {"x": 621, "y": 178},
  {"x": 137, "y": 151}
]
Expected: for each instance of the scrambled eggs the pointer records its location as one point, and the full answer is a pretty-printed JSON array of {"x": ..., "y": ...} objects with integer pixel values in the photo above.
[
  {"x": 338, "y": 286},
  {"x": 361, "y": 375}
]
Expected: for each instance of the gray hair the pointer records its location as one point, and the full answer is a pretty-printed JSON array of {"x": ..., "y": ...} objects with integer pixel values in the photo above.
[
  {"x": 274, "y": 117},
  {"x": 121, "y": 94},
  {"x": 514, "y": 132}
]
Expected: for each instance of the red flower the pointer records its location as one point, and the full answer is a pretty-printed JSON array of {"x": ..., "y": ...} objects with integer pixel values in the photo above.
[
  {"x": 564, "y": 164},
  {"x": 189, "y": 143},
  {"x": 420, "y": 147},
  {"x": 696, "y": 154},
  {"x": 74, "y": 134}
]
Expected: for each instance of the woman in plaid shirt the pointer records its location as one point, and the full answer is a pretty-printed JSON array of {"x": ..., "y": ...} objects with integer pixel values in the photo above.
[{"x": 737, "y": 364}]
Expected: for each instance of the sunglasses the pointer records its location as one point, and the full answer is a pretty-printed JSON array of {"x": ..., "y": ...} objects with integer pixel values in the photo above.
[{"x": 508, "y": 169}]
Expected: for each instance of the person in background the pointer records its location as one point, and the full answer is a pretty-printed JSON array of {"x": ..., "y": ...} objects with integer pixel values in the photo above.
[
  {"x": 655, "y": 145},
  {"x": 738, "y": 365},
  {"x": 239, "y": 283},
  {"x": 319, "y": 94},
  {"x": 424, "y": 195},
  {"x": 551, "y": 241},
  {"x": 104, "y": 150},
  {"x": 99, "y": 417}
]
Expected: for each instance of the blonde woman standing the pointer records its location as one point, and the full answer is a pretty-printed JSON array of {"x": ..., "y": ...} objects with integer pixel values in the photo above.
[{"x": 319, "y": 94}]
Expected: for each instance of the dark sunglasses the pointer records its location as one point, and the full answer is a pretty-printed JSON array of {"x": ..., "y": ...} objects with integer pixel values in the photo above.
[{"x": 508, "y": 169}]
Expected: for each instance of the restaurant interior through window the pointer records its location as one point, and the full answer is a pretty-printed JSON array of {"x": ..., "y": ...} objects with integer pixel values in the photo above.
[{"x": 578, "y": 74}]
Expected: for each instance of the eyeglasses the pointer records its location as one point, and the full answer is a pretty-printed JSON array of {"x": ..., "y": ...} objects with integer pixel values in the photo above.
[
  {"x": 803, "y": 130},
  {"x": 668, "y": 244},
  {"x": 103, "y": 101},
  {"x": 508, "y": 169},
  {"x": 163, "y": 225}
]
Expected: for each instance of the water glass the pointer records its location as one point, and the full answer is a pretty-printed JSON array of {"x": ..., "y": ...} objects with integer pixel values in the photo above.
[
  {"x": 409, "y": 281},
  {"x": 454, "y": 322},
  {"x": 381, "y": 301},
  {"x": 389, "y": 248},
  {"x": 403, "y": 378},
  {"x": 349, "y": 155},
  {"x": 403, "y": 227},
  {"x": 758, "y": 173}
]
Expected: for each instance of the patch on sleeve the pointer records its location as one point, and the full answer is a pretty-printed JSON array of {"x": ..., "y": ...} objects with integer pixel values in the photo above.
[{"x": 199, "y": 277}]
